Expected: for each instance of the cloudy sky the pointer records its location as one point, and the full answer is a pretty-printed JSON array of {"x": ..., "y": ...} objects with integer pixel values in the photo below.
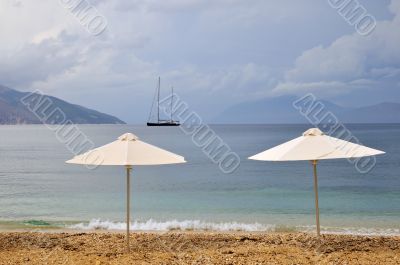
[{"x": 215, "y": 53}]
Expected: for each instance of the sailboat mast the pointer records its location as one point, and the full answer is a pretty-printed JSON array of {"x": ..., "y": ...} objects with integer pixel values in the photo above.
[
  {"x": 158, "y": 99},
  {"x": 172, "y": 98}
]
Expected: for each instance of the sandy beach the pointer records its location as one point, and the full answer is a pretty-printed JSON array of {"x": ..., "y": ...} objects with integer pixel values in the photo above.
[{"x": 195, "y": 248}]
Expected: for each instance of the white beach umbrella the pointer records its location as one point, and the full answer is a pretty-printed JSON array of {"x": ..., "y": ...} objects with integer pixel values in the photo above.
[
  {"x": 127, "y": 151},
  {"x": 314, "y": 145}
]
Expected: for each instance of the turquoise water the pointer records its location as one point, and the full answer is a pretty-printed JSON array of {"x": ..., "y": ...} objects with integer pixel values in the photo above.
[{"x": 37, "y": 188}]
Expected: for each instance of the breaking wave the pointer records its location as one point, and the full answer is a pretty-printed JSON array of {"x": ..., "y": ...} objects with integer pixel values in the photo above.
[
  {"x": 197, "y": 225},
  {"x": 152, "y": 225}
]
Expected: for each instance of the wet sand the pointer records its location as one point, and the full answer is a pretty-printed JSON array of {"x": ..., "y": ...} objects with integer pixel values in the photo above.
[{"x": 195, "y": 248}]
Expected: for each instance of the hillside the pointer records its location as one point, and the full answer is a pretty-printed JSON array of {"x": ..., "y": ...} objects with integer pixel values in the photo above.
[{"x": 13, "y": 111}]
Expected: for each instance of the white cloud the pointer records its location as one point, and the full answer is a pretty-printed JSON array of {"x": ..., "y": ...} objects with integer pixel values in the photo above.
[{"x": 374, "y": 59}]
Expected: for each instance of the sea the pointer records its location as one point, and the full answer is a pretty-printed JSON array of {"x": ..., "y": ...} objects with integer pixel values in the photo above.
[{"x": 38, "y": 190}]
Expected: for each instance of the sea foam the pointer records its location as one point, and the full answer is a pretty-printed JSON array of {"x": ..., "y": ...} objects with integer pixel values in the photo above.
[
  {"x": 197, "y": 225},
  {"x": 360, "y": 231},
  {"x": 152, "y": 225}
]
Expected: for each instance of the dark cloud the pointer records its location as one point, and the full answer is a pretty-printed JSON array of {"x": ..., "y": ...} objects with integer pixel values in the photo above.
[{"x": 215, "y": 52}]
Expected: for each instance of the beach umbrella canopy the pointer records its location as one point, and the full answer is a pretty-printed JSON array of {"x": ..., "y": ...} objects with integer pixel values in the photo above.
[
  {"x": 127, "y": 151},
  {"x": 314, "y": 145}
]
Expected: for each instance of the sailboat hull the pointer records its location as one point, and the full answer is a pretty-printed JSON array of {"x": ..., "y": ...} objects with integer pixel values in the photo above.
[{"x": 163, "y": 124}]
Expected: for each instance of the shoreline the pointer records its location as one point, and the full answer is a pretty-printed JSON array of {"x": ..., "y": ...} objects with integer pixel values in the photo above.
[
  {"x": 60, "y": 230},
  {"x": 152, "y": 226},
  {"x": 192, "y": 247}
]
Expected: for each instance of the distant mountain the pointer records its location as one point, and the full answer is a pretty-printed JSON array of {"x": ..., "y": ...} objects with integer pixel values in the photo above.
[
  {"x": 13, "y": 111},
  {"x": 280, "y": 110},
  {"x": 386, "y": 112}
]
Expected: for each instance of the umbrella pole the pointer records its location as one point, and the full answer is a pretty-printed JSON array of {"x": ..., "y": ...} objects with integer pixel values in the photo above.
[
  {"x": 314, "y": 162},
  {"x": 128, "y": 192}
]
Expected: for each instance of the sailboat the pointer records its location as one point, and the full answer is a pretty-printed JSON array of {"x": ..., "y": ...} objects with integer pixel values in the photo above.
[{"x": 161, "y": 122}]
